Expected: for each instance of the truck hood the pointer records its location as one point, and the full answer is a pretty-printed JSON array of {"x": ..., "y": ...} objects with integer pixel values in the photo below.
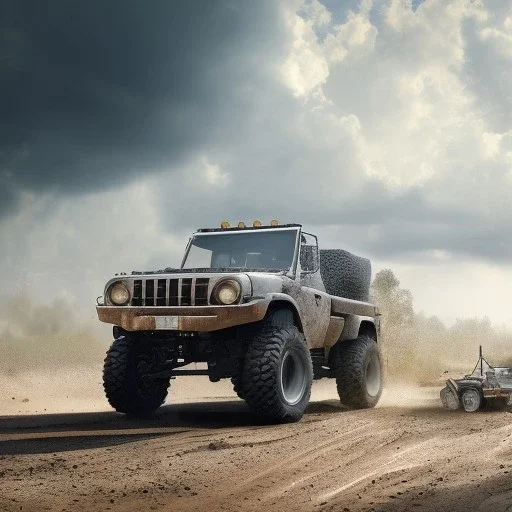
[{"x": 226, "y": 270}]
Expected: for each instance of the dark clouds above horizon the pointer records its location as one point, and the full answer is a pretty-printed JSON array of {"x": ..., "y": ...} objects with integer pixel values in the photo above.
[
  {"x": 95, "y": 93},
  {"x": 384, "y": 121}
]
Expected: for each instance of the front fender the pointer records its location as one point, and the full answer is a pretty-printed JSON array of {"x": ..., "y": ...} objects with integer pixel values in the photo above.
[
  {"x": 312, "y": 311},
  {"x": 285, "y": 300},
  {"x": 462, "y": 386}
]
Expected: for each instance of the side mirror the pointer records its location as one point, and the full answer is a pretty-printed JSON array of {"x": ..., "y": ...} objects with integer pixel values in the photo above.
[{"x": 309, "y": 254}]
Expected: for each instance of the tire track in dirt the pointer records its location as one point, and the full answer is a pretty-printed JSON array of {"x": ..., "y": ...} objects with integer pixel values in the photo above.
[
  {"x": 393, "y": 465},
  {"x": 389, "y": 459},
  {"x": 347, "y": 458},
  {"x": 288, "y": 467},
  {"x": 332, "y": 457}
]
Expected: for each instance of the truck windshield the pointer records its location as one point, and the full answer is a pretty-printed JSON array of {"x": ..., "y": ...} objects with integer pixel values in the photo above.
[{"x": 258, "y": 250}]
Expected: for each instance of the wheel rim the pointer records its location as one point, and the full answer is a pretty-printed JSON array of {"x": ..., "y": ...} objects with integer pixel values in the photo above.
[
  {"x": 372, "y": 376},
  {"x": 471, "y": 400},
  {"x": 293, "y": 377}
]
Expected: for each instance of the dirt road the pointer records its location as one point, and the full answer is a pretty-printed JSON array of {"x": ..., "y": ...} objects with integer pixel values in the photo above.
[{"x": 406, "y": 454}]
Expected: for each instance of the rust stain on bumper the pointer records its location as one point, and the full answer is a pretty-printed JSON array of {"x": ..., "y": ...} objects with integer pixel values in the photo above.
[{"x": 182, "y": 318}]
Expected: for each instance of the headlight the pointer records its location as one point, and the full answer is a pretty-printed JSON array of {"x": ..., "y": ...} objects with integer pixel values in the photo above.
[
  {"x": 119, "y": 294},
  {"x": 227, "y": 292}
]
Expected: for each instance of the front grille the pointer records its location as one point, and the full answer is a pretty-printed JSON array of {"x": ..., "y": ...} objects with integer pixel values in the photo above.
[{"x": 189, "y": 291}]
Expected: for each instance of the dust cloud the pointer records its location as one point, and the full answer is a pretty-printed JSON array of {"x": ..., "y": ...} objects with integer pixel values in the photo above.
[
  {"x": 44, "y": 337},
  {"x": 51, "y": 358},
  {"x": 420, "y": 350},
  {"x": 426, "y": 351}
]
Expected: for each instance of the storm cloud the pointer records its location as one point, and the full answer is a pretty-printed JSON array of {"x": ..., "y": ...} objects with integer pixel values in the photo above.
[{"x": 94, "y": 93}]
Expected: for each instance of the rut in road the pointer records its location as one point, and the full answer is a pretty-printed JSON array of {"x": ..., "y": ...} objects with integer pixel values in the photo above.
[
  {"x": 332, "y": 461},
  {"x": 389, "y": 459}
]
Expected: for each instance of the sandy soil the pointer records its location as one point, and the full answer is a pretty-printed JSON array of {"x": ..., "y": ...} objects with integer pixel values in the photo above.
[{"x": 209, "y": 452}]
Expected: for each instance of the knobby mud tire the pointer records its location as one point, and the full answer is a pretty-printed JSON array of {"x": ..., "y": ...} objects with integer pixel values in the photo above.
[
  {"x": 273, "y": 355},
  {"x": 449, "y": 399},
  {"x": 122, "y": 384},
  {"x": 471, "y": 399},
  {"x": 280, "y": 318},
  {"x": 357, "y": 365},
  {"x": 236, "y": 379},
  {"x": 345, "y": 274}
]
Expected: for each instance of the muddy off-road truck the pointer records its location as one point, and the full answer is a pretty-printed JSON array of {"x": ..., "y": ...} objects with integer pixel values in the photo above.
[{"x": 260, "y": 305}]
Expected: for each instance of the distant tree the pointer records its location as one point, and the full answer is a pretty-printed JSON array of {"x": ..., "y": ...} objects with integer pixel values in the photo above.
[
  {"x": 394, "y": 302},
  {"x": 407, "y": 338}
]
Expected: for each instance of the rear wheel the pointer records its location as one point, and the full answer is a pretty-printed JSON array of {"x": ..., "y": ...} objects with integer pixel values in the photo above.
[
  {"x": 277, "y": 374},
  {"x": 471, "y": 400},
  {"x": 126, "y": 378},
  {"x": 358, "y": 369}
]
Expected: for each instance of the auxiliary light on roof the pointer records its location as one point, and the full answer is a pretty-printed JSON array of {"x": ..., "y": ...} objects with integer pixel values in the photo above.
[{"x": 241, "y": 225}]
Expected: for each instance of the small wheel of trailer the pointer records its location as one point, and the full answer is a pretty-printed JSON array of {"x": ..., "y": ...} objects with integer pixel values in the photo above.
[
  {"x": 357, "y": 366},
  {"x": 449, "y": 399},
  {"x": 126, "y": 378},
  {"x": 277, "y": 374},
  {"x": 471, "y": 400}
]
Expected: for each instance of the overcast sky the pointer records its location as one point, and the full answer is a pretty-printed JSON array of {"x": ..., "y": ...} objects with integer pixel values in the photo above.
[{"x": 383, "y": 126}]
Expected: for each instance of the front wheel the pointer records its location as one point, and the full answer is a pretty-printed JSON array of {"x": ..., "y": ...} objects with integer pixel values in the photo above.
[
  {"x": 358, "y": 370},
  {"x": 449, "y": 399},
  {"x": 277, "y": 374},
  {"x": 236, "y": 379},
  {"x": 126, "y": 378}
]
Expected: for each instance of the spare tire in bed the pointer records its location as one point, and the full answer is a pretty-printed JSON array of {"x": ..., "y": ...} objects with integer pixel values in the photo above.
[{"x": 345, "y": 275}]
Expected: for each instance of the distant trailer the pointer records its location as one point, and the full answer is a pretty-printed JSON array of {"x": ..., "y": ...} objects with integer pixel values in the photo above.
[{"x": 486, "y": 385}]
